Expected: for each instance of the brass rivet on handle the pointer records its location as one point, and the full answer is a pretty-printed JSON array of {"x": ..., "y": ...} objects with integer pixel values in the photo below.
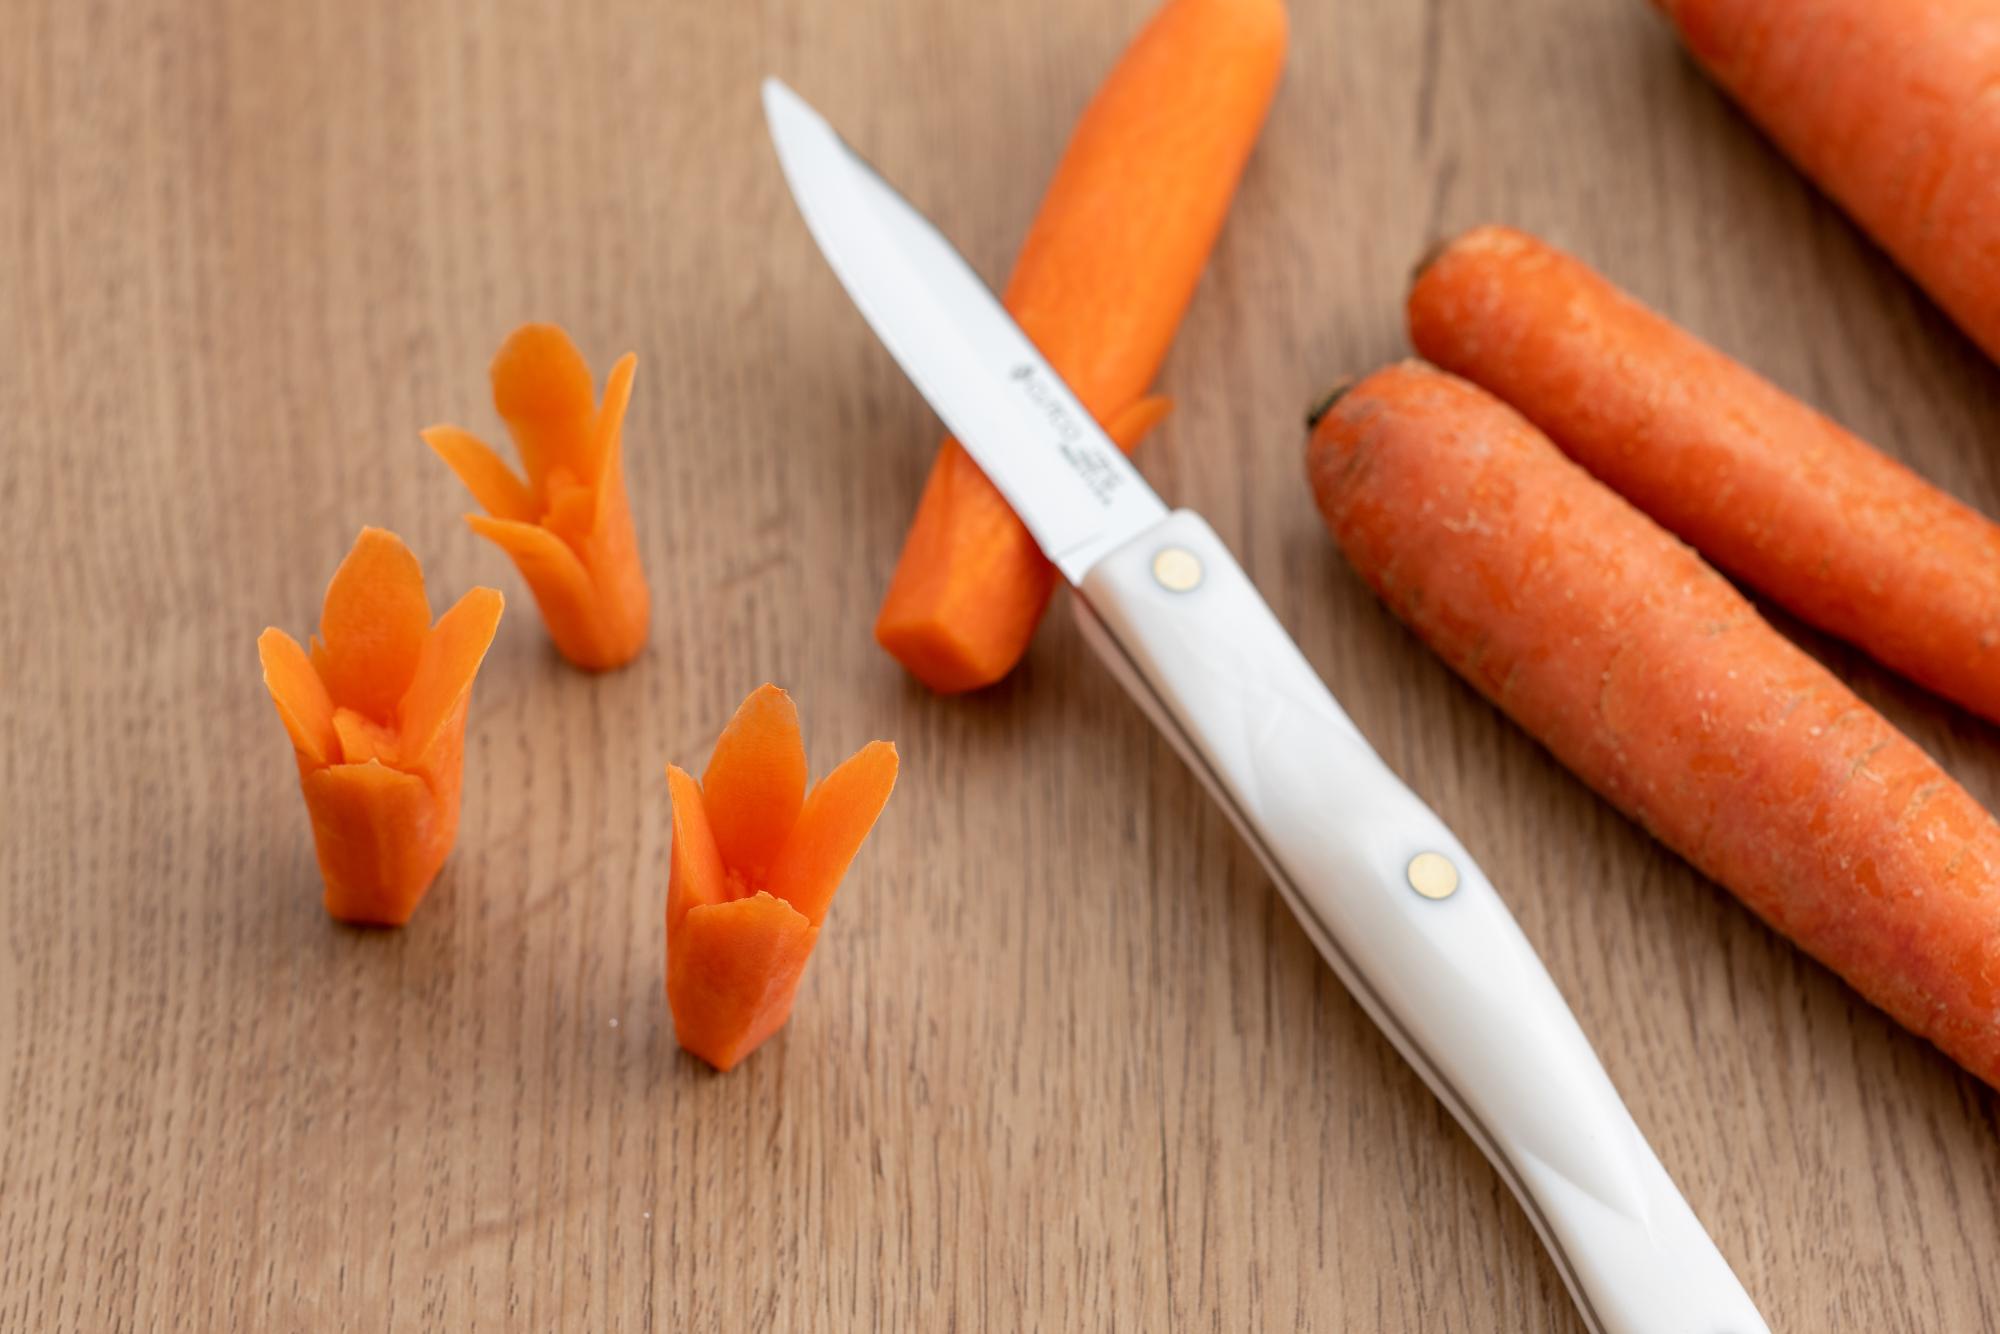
[
  {"x": 1432, "y": 875},
  {"x": 1177, "y": 569}
]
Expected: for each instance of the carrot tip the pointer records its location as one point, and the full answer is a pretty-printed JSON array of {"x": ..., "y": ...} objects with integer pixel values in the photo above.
[
  {"x": 1324, "y": 404},
  {"x": 1431, "y": 254}
]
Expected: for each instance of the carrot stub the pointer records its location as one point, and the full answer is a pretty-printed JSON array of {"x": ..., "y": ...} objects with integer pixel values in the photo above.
[
  {"x": 1765, "y": 487},
  {"x": 376, "y": 715},
  {"x": 568, "y": 526},
  {"x": 1647, "y": 674},
  {"x": 756, "y": 860},
  {"x": 1889, "y": 107},
  {"x": 1102, "y": 281}
]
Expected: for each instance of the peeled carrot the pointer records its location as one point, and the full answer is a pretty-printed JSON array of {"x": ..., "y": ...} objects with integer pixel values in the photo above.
[
  {"x": 756, "y": 859},
  {"x": 376, "y": 716},
  {"x": 1108, "y": 268},
  {"x": 1765, "y": 487},
  {"x": 1889, "y": 107},
  {"x": 1647, "y": 674},
  {"x": 568, "y": 527}
]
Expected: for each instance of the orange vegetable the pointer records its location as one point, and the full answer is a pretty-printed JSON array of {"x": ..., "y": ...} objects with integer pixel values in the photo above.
[
  {"x": 1764, "y": 486},
  {"x": 568, "y": 527},
  {"x": 1889, "y": 107},
  {"x": 1108, "y": 268},
  {"x": 756, "y": 860},
  {"x": 1647, "y": 674},
  {"x": 376, "y": 714}
]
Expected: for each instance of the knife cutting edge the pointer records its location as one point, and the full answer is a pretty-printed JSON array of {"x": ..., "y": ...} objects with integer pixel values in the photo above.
[{"x": 1387, "y": 894}]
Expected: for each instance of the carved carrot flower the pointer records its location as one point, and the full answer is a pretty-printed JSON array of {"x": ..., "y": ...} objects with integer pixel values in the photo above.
[
  {"x": 568, "y": 527},
  {"x": 755, "y": 863},
  {"x": 376, "y": 714}
]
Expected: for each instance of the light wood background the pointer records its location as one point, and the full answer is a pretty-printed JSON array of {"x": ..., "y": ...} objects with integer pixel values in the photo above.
[{"x": 1063, "y": 1061}]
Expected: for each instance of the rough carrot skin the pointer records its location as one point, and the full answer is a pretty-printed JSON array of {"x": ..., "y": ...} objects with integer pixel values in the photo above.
[
  {"x": 756, "y": 860},
  {"x": 1647, "y": 674},
  {"x": 1108, "y": 268},
  {"x": 1888, "y": 107},
  {"x": 1765, "y": 487},
  {"x": 376, "y": 716},
  {"x": 568, "y": 524}
]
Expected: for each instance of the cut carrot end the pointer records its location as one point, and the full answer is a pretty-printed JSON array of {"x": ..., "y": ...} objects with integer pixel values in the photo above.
[
  {"x": 971, "y": 585},
  {"x": 733, "y": 970},
  {"x": 755, "y": 783},
  {"x": 834, "y": 822},
  {"x": 695, "y": 874},
  {"x": 372, "y": 625},
  {"x": 492, "y": 483},
  {"x": 304, "y": 706}
]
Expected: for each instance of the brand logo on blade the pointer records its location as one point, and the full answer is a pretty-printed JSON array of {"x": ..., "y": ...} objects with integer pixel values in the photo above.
[{"x": 1090, "y": 466}]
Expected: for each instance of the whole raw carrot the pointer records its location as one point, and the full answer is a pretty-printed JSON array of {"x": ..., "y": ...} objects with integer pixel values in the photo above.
[
  {"x": 1760, "y": 483},
  {"x": 1646, "y": 673},
  {"x": 1109, "y": 266},
  {"x": 1889, "y": 107}
]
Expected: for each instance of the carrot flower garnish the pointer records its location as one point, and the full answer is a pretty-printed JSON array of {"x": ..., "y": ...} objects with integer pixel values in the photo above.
[
  {"x": 756, "y": 860},
  {"x": 568, "y": 527},
  {"x": 376, "y": 714}
]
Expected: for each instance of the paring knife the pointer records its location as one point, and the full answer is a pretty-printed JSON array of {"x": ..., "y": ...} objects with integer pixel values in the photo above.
[{"x": 1393, "y": 903}]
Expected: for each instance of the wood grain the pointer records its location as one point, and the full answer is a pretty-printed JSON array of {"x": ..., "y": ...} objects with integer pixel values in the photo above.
[{"x": 1064, "y": 1061}]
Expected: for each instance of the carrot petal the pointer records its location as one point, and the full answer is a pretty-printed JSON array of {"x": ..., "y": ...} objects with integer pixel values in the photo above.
[
  {"x": 541, "y": 386},
  {"x": 372, "y": 625},
  {"x": 558, "y": 580},
  {"x": 303, "y": 703},
  {"x": 695, "y": 875},
  {"x": 835, "y": 820},
  {"x": 492, "y": 483},
  {"x": 442, "y": 683},
  {"x": 733, "y": 969},
  {"x": 607, "y": 433},
  {"x": 755, "y": 783}
]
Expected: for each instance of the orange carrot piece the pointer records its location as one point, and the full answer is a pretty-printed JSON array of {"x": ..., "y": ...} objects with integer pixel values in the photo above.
[
  {"x": 739, "y": 933},
  {"x": 381, "y": 838},
  {"x": 1765, "y": 487},
  {"x": 1647, "y": 674},
  {"x": 732, "y": 972},
  {"x": 1889, "y": 108},
  {"x": 568, "y": 526},
  {"x": 1108, "y": 268},
  {"x": 381, "y": 780}
]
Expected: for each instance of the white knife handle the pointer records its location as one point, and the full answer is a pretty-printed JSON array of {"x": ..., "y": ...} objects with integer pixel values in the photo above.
[{"x": 1451, "y": 980}]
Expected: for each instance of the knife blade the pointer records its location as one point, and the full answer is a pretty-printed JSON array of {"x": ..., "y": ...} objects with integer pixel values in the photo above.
[
  {"x": 1393, "y": 902},
  {"x": 1074, "y": 489}
]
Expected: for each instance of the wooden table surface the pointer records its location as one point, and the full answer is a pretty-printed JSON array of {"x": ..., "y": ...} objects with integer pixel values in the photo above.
[{"x": 1064, "y": 1061}]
